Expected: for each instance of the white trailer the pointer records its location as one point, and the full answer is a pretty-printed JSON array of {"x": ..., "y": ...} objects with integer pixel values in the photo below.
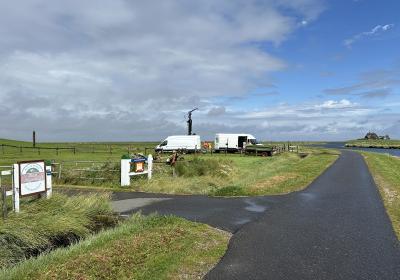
[
  {"x": 233, "y": 142},
  {"x": 188, "y": 143}
]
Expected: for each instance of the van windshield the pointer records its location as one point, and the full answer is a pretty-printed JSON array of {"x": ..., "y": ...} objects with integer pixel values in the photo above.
[
  {"x": 164, "y": 143},
  {"x": 253, "y": 141}
]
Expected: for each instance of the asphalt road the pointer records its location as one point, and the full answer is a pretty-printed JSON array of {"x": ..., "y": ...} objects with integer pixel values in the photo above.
[{"x": 335, "y": 229}]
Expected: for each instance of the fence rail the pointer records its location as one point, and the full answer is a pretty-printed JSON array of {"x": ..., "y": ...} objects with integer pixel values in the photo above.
[{"x": 106, "y": 149}]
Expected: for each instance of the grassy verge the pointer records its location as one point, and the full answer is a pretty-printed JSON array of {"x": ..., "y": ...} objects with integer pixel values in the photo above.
[
  {"x": 142, "y": 248},
  {"x": 45, "y": 224},
  {"x": 241, "y": 176},
  {"x": 385, "y": 170},
  {"x": 383, "y": 144}
]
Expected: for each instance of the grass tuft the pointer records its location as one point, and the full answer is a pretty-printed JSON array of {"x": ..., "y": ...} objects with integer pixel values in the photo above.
[{"x": 45, "y": 224}]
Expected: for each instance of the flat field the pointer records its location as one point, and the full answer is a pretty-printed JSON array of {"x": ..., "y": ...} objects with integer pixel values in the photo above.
[
  {"x": 97, "y": 165},
  {"x": 384, "y": 144}
]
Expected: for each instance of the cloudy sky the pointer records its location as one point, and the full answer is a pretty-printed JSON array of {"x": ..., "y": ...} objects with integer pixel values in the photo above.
[{"x": 125, "y": 70}]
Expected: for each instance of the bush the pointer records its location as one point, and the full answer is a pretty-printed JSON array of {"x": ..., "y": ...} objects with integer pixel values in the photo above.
[{"x": 45, "y": 224}]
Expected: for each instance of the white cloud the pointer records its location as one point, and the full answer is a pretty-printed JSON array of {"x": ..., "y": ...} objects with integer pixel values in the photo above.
[
  {"x": 377, "y": 30},
  {"x": 72, "y": 67},
  {"x": 332, "y": 104}
]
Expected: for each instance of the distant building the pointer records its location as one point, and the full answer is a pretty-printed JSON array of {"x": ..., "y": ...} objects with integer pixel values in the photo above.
[
  {"x": 371, "y": 136},
  {"x": 374, "y": 136}
]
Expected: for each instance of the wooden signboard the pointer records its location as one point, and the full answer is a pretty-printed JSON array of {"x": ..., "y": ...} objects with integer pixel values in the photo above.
[{"x": 32, "y": 177}]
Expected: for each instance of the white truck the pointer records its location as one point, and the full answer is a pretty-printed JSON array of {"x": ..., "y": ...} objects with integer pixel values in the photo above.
[
  {"x": 189, "y": 143},
  {"x": 233, "y": 142}
]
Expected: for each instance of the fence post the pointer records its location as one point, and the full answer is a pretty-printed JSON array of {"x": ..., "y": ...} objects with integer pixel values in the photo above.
[
  {"x": 149, "y": 166},
  {"x": 4, "y": 198},
  {"x": 49, "y": 182},
  {"x": 125, "y": 168},
  {"x": 2, "y": 148},
  {"x": 57, "y": 151},
  {"x": 16, "y": 187},
  {"x": 59, "y": 170}
]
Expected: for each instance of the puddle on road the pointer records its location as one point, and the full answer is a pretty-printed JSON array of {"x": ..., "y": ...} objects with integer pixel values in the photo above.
[
  {"x": 242, "y": 221},
  {"x": 307, "y": 196},
  {"x": 254, "y": 207}
]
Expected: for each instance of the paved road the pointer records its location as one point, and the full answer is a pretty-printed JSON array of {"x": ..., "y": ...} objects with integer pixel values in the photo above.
[{"x": 335, "y": 229}]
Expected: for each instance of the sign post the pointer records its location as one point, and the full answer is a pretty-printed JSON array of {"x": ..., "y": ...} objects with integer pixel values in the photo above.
[{"x": 139, "y": 169}]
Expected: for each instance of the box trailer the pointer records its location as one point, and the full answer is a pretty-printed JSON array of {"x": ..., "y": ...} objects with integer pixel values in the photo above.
[
  {"x": 233, "y": 142},
  {"x": 189, "y": 143}
]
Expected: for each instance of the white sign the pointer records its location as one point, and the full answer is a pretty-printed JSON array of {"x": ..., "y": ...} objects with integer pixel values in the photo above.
[{"x": 32, "y": 177}]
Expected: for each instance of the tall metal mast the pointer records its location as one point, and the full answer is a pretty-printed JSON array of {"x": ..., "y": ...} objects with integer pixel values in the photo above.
[{"x": 189, "y": 121}]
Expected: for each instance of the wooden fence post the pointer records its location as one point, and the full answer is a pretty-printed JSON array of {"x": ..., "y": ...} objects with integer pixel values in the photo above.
[
  {"x": 4, "y": 199},
  {"x": 59, "y": 170}
]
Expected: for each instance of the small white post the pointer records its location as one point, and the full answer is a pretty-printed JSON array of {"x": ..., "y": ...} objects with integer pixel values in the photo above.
[
  {"x": 125, "y": 169},
  {"x": 49, "y": 182},
  {"x": 149, "y": 166},
  {"x": 16, "y": 188}
]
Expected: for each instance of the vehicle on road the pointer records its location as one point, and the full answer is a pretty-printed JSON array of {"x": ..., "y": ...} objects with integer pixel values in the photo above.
[{"x": 188, "y": 143}]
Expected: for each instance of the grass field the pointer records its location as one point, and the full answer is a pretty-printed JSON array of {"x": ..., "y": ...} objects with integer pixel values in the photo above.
[
  {"x": 384, "y": 144},
  {"x": 386, "y": 172},
  {"x": 217, "y": 174},
  {"x": 242, "y": 176},
  {"x": 142, "y": 248}
]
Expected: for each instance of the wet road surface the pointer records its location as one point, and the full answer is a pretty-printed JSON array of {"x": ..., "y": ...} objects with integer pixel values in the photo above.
[{"x": 337, "y": 228}]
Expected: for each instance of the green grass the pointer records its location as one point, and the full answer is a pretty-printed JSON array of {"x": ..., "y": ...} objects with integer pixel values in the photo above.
[
  {"x": 44, "y": 224},
  {"x": 216, "y": 174},
  {"x": 96, "y": 151},
  {"x": 386, "y": 172},
  {"x": 245, "y": 175},
  {"x": 143, "y": 248},
  {"x": 384, "y": 144}
]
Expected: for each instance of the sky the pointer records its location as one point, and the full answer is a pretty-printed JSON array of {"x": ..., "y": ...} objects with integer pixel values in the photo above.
[{"x": 120, "y": 70}]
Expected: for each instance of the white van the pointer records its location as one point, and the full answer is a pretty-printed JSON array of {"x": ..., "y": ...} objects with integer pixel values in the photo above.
[
  {"x": 189, "y": 143},
  {"x": 233, "y": 142}
]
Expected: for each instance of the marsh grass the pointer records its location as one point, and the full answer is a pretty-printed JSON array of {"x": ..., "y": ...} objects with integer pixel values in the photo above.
[
  {"x": 45, "y": 224},
  {"x": 154, "y": 247}
]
